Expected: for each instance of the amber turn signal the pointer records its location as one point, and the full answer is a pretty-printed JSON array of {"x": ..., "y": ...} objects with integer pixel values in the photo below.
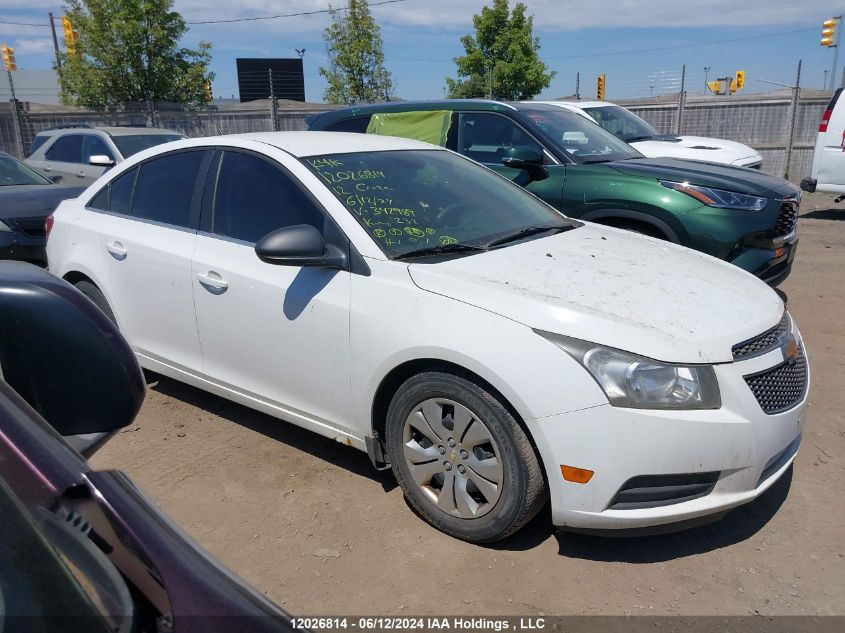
[{"x": 576, "y": 475}]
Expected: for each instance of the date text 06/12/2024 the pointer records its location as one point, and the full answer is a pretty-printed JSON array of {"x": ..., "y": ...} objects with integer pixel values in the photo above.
[{"x": 418, "y": 623}]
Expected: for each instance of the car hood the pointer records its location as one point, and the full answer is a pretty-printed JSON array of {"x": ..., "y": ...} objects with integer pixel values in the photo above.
[
  {"x": 739, "y": 179},
  {"x": 714, "y": 150},
  {"x": 33, "y": 201},
  {"x": 615, "y": 288}
]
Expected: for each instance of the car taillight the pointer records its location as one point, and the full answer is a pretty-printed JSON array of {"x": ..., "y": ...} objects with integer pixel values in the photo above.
[
  {"x": 48, "y": 225},
  {"x": 825, "y": 120}
]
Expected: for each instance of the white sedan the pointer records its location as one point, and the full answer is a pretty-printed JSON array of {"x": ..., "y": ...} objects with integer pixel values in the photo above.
[
  {"x": 649, "y": 142},
  {"x": 405, "y": 301}
]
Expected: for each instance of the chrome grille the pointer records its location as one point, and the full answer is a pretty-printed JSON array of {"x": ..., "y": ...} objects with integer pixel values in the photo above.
[
  {"x": 782, "y": 387},
  {"x": 787, "y": 217},
  {"x": 762, "y": 343}
]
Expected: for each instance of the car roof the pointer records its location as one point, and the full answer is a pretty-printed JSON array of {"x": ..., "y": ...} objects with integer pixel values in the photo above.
[
  {"x": 577, "y": 104},
  {"x": 301, "y": 144},
  {"x": 113, "y": 130}
]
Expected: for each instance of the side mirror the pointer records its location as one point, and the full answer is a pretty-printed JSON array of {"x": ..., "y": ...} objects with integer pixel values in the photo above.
[
  {"x": 299, "y": 245},
  {"x": 101, "y": 160},
  {"x": 56, "y": 179},
  {"x": 527, "y": 158},
  {"x": 65, "y": 358}
]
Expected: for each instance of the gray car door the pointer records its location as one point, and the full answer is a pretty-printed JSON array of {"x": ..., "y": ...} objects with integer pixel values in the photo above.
[{"x": 64, "y": 158}]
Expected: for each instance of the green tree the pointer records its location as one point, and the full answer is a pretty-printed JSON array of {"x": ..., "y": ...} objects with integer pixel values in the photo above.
[
  {"x": 356, "y": 71},
  {"x": 128, "y": 50},
  {"x": 502, "y": 53}
]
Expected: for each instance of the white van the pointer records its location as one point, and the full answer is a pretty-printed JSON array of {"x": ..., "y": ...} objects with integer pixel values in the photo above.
[{"x": 828, "y": 171}]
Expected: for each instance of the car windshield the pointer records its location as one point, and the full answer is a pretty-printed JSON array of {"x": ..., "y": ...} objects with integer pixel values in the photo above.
[
  {"x": 622, "y": 123},
  {"x": 14, "y": 172},
  {"x": 418, "y": 200},
  {"x": 583, "y": 141},
  {"x": 130, "y": 144}
]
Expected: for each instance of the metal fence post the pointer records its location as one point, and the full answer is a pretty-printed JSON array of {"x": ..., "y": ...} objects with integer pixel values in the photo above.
[
  {"x": 682, "y": 97},
  {"x": 274, "y": 105},
  {"x": 793, "y": 115}
]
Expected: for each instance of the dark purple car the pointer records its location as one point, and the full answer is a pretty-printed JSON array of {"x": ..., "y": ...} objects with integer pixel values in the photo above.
[{"x": 83, "y": 550}]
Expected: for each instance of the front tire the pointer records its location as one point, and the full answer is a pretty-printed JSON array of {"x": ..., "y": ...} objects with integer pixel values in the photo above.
[{"x": 461, "y": 458}]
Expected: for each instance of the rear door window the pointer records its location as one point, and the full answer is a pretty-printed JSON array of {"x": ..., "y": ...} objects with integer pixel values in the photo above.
[
  {"x": 486, "y": 137},
  {"x": 165, "y": 188},
  {"x": 120, "y": 200},
  {"x": 66, "y": 149},
  {"x": 255, "y": 197}
]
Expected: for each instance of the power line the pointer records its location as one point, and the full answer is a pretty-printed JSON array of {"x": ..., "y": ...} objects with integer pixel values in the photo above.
[
  {"x": 233, "y": 20},
  {"x": 637, "y": 50},
  {"x": 285, "y": 15}
]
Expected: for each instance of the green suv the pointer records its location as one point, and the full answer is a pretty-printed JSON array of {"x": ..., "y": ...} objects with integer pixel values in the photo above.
[{"x": 733, "y": 213}]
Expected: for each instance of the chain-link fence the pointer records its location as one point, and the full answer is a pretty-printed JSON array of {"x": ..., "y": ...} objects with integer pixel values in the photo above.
[{"x": 776, "y": 124}]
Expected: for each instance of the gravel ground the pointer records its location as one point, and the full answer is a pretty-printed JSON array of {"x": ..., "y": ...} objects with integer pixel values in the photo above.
[{"x": 309, "y": 523}]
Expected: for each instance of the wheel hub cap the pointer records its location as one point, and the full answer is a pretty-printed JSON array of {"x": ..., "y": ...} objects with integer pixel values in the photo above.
[{"x": 453, "y": 458}]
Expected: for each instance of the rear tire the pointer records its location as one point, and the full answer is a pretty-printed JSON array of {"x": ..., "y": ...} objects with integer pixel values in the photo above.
[
  {"x": 97, "y": 297},
  {"x": 462, "y": 459}
]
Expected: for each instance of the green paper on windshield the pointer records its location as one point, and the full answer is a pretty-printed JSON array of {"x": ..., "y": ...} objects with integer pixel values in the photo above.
[{"x": 431, "y": 126}]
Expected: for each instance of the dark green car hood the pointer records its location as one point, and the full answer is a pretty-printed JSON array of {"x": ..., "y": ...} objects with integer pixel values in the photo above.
[{"x": 739, "y": 179}]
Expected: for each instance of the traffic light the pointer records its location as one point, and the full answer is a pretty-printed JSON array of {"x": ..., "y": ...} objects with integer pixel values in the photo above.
[
  {"x": 740, "y": 79},
  {"x": 715, "y": 87},
  {"x": 9, "y": 58},
  {"x": 600, "y": 87},
  {"x": 829, "y": 32},
  {"x": 71, "y": 36}
]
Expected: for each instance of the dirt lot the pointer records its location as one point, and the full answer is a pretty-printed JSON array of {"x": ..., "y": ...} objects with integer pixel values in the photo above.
[{"x": 310, "y": 524}]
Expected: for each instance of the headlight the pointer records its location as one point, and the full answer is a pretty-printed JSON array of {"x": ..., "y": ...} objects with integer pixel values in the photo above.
[
  {"x": 718, "y": 197},
  {"x": 4, "y": 228},
  {"x": 642, "y": 383}
]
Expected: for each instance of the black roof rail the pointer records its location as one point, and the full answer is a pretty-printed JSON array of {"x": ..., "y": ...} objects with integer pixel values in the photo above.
[{"x": 86, "y": 126}]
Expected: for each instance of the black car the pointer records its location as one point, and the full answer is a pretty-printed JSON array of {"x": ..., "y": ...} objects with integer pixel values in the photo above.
[
  {"x": 84, "y": 550},
  {"x": 26, "y": 200}
]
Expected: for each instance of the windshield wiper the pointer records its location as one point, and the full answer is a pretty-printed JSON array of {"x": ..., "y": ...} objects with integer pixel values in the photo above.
[
  {"x": 441, "y": 249},
  {"x": 527, "y": 232},
  {"x": 634, "y": 139},
  {"x": 597, "y": 160}
]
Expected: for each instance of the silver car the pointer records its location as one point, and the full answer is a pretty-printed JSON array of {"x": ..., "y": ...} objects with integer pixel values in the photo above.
[{"x": 80, "y": 155}]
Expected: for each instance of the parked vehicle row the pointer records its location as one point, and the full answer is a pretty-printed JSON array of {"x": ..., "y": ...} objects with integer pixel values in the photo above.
[
  {"x": 740, "y": 215},
  {"x": 495, "y": 353},
  {"x": 641, "y": 135}
]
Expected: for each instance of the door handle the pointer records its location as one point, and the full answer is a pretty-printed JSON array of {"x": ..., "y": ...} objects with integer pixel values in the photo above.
[
  {"x": 213, "y": 282},
  {"x": 46, "y": 168},
  {"x": 81, "y": 174},
  {"x": 116, "y": 250}
]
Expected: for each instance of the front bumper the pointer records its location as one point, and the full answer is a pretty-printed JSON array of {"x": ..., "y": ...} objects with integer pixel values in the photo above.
[
  {"x": 771, "y": 265},
  {"x": 744, "y": 449},
  {"x": 19, "y": 246}
]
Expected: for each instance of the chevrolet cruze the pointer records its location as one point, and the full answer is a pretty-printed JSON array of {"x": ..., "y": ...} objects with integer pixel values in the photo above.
[{"x": 405, "y": 301}]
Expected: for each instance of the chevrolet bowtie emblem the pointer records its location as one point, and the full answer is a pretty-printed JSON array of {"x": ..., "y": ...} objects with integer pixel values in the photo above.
[{"x": 789, "y": 347}]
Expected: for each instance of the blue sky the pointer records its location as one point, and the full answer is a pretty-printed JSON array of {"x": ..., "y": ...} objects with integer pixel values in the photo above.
[{"x": 422, "y": 36}]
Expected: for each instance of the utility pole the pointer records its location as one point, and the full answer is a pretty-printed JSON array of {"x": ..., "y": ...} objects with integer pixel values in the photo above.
[
  {"x": 706, "y": 73},
  {"x": 824, "y": 85},
  {"x": 490, "y": 81},
  {"x": 274, "y": 106},
  {"x": 681, "y": 98},
  {"x": 55, "y": 42},
  {"x": 578, "y": 85},
  {"x": 9, "y": 63}
]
